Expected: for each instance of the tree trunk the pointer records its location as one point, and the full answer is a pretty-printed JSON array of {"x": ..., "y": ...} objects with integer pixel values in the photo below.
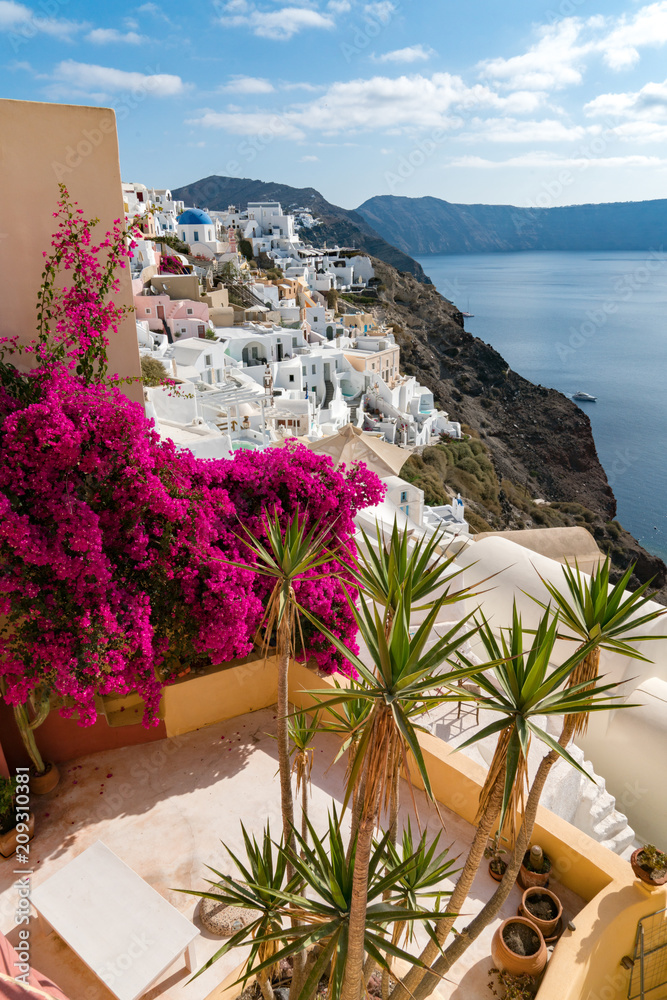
[
  {"x": 353, "y": 980},
  {"x": 286, "y": 801},
  {"x": 28, "y": 736},
  {"x": 304, "y": 808},
  {"x": 357, "y": 809},
  {"x": 265, "y": 985},
  {"x": 417, "y": 976},
  {"x": 490, "y": 911}
]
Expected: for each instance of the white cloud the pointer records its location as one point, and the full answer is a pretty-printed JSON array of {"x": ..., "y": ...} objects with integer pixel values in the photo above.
[
  {"x": 648, "y": 103},
  {"x": 339, "y": 6},
  {"x": 414, "y": 53},
  {"x": 537, "y": 160},
  {"x": 398, "y": 105},
  {"x": 12, "y": 14},
  {"x": 248, "y": 85},
  {"x": 310, "y": 159},
  {"x": 106, "y": 36},
  {"x": 280, "y": 25},
  {"x": 382, "y": 11},
  {"x": 513, "y": 130},
  {"x": 641, "y": 132},
  {"x": 87, "y": 77},
  {"x": 559, "y": 57},
  {"x": 19, "y": 18},
  {"x": 647, "y": 27},
  {"x": 556, "y": 61},
  {"x": 264, "y": 123}
]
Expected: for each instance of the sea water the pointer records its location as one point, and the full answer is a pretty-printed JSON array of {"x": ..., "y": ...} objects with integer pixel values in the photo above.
[{"x": 593, "y": 322}]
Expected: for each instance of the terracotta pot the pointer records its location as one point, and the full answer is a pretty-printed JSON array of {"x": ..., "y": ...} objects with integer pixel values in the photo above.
[
  {"x": 496, "y": 875},
  {"x": 645, "y": 876},
  {"x": 528, "y": 879},
  {"x": 8, "y": 840},
  {"x": 547, "y": 927},
  {"x": 505, "y": 958},
  {"x": 40, "y": 784}
]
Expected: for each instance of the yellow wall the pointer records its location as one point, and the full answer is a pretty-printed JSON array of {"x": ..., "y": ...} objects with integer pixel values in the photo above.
[
  {"x": 224, "y": 693},
  {"x": 40, "y": 145}
]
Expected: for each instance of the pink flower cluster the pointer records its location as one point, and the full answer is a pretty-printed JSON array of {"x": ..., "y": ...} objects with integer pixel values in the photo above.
[{"x": 114, "y": 547}]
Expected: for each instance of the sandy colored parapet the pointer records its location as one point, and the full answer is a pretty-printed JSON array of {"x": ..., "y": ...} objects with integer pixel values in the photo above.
[
  {"x": 222, "y": 693},
  {"x": 560, "y": 544}
]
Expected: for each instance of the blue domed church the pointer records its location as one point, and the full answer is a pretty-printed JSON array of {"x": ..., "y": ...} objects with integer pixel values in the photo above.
[{"x": 195, "y": 226}]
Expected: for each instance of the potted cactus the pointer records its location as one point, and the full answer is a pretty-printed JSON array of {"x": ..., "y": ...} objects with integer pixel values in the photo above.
[
  {"x": 12, "y": 820},
  {"x": 650, "y": 865},
  {"x": 535, "y": 869}
]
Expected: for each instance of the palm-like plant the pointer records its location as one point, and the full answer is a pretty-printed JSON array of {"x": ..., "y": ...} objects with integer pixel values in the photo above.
[
  {"x": 263, "y": 880},
  {"x": 381, "y": 570},
  {"x": 404, "y": 674},
  {"x": 302, "y": 732},
  {"x": 518, "y": 685},
  {"x": 322, "y": 926},
  {"x": 290, "y": 554},
  {"x": 607, "y": 618},
  {"x": 604, "y": 619}
]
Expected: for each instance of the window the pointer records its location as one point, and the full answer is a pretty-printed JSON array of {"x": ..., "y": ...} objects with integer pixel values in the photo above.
[
  {"x": 305, "y": 372},
  {"x": 196, "y": 236},
  {"x": 314, "y": 367},
  {"x": 189, "y": 312},
  {"x": 313, "y": 389},
  {"x": 404, "y": 496},
  {"x": 148, "y": 310},
  {"x": 208, "y": 360},
  {"x": 291, "y": 378}
]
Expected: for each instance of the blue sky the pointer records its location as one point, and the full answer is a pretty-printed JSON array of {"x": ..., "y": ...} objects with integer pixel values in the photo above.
[{"x": 527, "y": 103}]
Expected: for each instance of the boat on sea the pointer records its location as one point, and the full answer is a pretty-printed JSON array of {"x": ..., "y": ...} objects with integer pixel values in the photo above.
[
  {"x": 585, "y": 397},
  {"x": 468, "y": 315}
]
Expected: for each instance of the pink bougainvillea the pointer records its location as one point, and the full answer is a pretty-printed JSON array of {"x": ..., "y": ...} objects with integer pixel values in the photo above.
[{"x": 113, "y": 545}]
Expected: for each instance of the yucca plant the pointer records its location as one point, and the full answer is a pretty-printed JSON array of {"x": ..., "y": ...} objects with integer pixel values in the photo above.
[
  {"x": 518, "y": 685},
  {"x": 322, "y": 905},
  {"x": 263, "y": 878},
  {"x": 381, "y": 570},
  {"x": 578, "y": 692},
  {"x": 290, "y": 554},
  {"x": 607, "y": 618},
  {"x": 302, "y": 732},
  {"x": 404, "y": 674}
]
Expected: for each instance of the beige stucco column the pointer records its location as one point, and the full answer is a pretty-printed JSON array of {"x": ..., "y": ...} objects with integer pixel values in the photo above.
[{"x": 40, "y": 145}]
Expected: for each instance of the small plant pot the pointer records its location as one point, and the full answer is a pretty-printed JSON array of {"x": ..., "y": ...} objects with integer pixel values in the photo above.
[
  {"x": 41, "y": 784},
  {"x": 541, "y": 900},
  {"x": 500, "y": 869},
  {"x": 518, "y": 947},
  {"x": 647, "y": 877},
  {"x": 528, "y": 878},
  {"x": 8, "y": 840}
]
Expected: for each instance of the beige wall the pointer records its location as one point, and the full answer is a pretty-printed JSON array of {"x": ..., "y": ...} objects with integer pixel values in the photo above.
[
  {"x": 177, "y": 286},
  {"x": 40, "y": 145}
]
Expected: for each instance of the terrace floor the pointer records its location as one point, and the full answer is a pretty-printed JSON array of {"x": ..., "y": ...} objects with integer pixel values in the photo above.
[{"x": 164, "y": 809}]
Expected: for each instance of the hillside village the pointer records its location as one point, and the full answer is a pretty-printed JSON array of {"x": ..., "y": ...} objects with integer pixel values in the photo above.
[{"x": 263, "y": 337}]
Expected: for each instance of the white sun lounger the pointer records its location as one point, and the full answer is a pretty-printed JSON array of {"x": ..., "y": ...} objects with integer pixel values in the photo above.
[{"x": 123, "y": 930}]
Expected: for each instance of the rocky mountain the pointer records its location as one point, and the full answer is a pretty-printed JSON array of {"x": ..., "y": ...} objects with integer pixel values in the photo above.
[
  {"x": 526, "y": 442},
  {"x": 338, "y": 225},
  {"x": 431, "y": 225}
]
